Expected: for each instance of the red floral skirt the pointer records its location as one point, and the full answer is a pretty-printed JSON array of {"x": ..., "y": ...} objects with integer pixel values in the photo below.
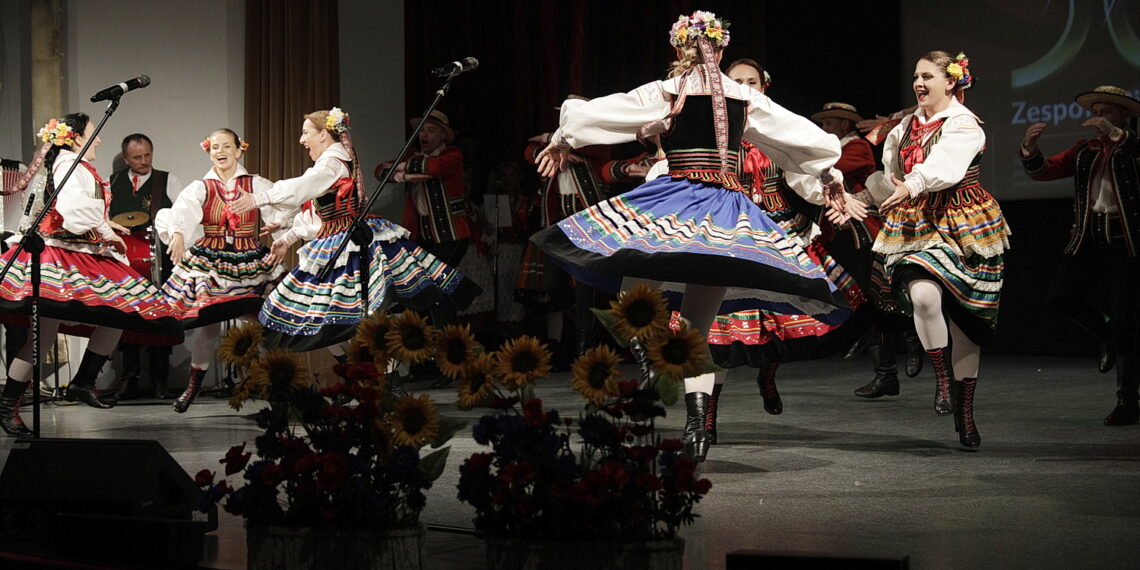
[{"x": 85, "y": 290}]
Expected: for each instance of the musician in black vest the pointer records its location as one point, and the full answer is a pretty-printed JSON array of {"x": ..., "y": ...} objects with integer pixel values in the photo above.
[{"x": 140, "y": 188}]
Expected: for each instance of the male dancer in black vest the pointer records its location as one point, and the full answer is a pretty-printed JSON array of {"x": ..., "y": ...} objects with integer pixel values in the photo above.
[
  {"x": 1105, "y": 236},
  {"x": 141, "y": 188}
]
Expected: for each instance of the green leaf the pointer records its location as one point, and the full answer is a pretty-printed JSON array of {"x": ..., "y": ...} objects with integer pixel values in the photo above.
[
  {"x": 608, "y": 319},
  {"x": 448, "y": 427},
  {"x": 431, "y": 465},
  {"x": 667, "y": 389}
]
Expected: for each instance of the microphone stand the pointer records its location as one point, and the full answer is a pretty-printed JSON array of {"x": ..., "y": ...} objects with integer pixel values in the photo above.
[
  {"x": 359, "y": 228},
  {"x": 33, "y": 242}
]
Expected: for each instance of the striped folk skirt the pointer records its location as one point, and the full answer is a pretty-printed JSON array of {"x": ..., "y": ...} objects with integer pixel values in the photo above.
[{"x": 957, "y": 238}]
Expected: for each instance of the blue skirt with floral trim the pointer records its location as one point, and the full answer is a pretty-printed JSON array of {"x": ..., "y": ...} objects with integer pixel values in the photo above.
[{"x": 677, "y": 230}]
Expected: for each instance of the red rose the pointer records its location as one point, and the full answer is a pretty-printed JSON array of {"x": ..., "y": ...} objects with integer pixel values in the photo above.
[
  {"x": 272, "y": 474},
  {"x": 477, "y": 462},
  {"x": 307, "y": 463},
  {"x": 702, "y": 486},
  {"x": 235, "y": 460},
  {"x": 649, "y": 482},
  {"x": 363, "y": 371},
  {"x": 204, "y": 478}
]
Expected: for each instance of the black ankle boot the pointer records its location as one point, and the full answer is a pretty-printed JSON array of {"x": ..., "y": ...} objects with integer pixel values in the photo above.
[
  {"x": 696, "y": 438},
  {"x": 710, "y": 418},
  {"x": 10, "y": 420},
  {"x": 944, "y": 376},
  {"x": 914, "y": 354},
  {"x": 641, "y": 358},
  {"x": 160, "y": 372},
  {"x": 1107, "y": 358},
  {"x": 968, "y": 434},
  {"x": 82, "y": 387},
  {"x": 129, "y": 388},
  {"x": 1126, "y": 412},
  {"x": 766, "y": 380},
  {"x": 197, "y": 376},
  {"x": 886, "y": 380}
]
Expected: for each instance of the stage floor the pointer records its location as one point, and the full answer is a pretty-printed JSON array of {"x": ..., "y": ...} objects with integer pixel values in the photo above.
[{"x": 1050, "y": 487}]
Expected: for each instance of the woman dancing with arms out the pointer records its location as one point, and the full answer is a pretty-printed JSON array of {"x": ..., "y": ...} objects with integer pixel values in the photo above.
[
  {"x": 941, "y": 248},
  {"x": 697, "y": 225},
  {"x": 87, "y": 288},
  {"x": 305, "y": 312},
  {"x": 224, "y": 274}
]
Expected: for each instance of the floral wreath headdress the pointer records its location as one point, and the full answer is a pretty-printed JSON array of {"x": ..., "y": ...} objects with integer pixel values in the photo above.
[
  {"x": 337, "y": 121},
  {"x": 959, "y": 69},
  {"x": 687, "y": 29},
  {"x": 707, "y": 32},
  {"x": 243, "y": 144},
  {"x": 57, "y": 132}
]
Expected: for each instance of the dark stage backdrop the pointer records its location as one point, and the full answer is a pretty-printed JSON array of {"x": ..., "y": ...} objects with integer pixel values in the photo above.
[{"x": 532, "y": 54}]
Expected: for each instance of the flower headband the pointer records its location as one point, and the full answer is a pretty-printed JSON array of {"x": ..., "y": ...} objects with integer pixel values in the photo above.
[
  {"x": 687, "y": 29},
  {"x": 960, "y": 70},
  {"x": 337, "y": 121},
  {"x": 57, "y": 133},
  {"x": 205, "y": 144}
]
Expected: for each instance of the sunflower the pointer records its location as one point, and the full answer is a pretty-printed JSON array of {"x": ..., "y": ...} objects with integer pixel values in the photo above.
[
  {"x": 521, "y": 361},
  {"x": 358, "y": 351},
  {"x": 454, "y": 348},
  {"x": 410, "y": 338},
  {"x": 639, "y": 313},
  {"x": 239, "y": 395},
  {"x": 278, "y": 372},
  {"x": 478, "y": 382},
  {"x": 372, "y": 334},
  {"x": 414, "y": 421},
  {"x": 678, "y": 353},
  {"x": 239, "y": 347},
  {"x": 595, "y": 374}
]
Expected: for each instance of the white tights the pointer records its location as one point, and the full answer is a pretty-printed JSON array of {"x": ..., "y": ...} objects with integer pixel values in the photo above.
[
  {"x": 205, "y": 346},
  {"x": 935, "y": 331}
]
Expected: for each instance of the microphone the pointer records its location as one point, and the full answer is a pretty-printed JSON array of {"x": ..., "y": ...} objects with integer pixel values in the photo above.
[
  {"x": 456, "y": 67},
  {"x": 116, "y": 91}
]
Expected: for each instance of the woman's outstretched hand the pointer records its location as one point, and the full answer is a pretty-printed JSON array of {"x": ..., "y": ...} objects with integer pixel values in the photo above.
[
  {"x": 552, "y": 160},
  {"x": 243, "y": 204},
  {"x": 900, "y": 195}
]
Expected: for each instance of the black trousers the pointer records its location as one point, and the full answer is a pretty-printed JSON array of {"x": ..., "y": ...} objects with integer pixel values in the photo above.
[{"x": 1067, "y": 294}]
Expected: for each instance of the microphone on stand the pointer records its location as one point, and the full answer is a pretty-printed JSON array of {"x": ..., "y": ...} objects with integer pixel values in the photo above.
[
  {"x": 116, "y": 91},
  {"x": 456, "y": 67}
]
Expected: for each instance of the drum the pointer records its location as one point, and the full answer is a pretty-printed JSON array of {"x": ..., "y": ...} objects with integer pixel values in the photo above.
[{"x": 139, "y": 252}]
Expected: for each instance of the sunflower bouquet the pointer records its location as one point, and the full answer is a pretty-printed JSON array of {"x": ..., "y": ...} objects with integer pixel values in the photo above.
[
  {"x": 603, "y": 477},
  {"x": 606, "y": 476},
  {"x": 319, "y": 463}
]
